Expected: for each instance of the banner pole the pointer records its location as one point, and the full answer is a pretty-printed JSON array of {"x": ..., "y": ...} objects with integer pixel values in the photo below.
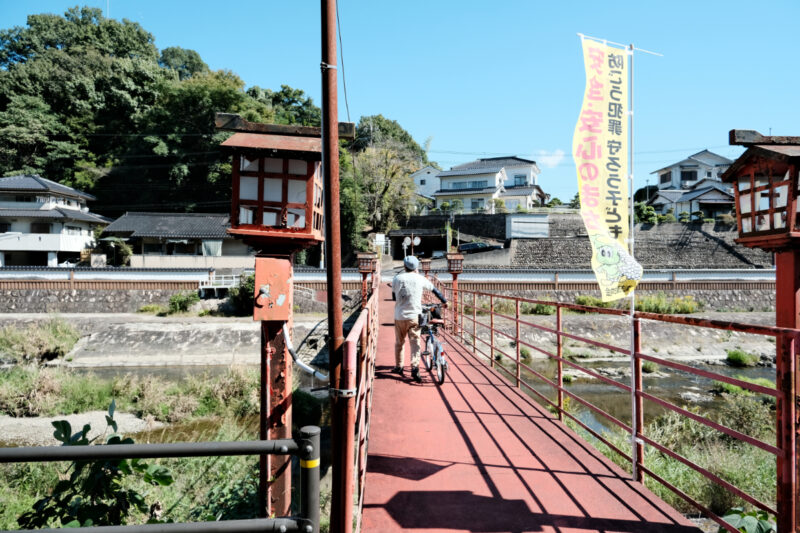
[{"x": 634, "y": 407}]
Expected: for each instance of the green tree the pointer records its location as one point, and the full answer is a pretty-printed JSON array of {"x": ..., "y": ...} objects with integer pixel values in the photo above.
[
  {"x": 499, "y": 206},
  {"x": 288, "y": 106},
  {"x": 644, "y": 214},
  {"x": 186, "y": 63},
  {"x": 382, "y": 173},
  {"x": 575, "y": 203},
  {"x": 378, "y": 130},
  {"x": 554, "y": 202}
]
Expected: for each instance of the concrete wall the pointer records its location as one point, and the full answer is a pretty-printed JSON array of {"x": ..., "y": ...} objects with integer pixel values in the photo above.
[{"x": 130, "y": 301}]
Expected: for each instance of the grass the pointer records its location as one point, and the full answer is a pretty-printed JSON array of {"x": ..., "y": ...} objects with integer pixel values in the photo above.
[
  {"x": 45, "y": 340},
  {"x": 740, "y": 358},
  {"x": 179, "y": 302},
  {"x": 155, "y": 309},
  {"x": 661, "y": 303},
  {"x": 35, "y": 391},
  {"x": 749, "y": 468}
]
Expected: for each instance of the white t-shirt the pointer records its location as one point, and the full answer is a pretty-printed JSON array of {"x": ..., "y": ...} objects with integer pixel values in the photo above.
[{"x": 407, "y": 288}]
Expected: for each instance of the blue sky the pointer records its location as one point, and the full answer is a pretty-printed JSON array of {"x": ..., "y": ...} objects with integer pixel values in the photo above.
[{"x": 502, "y": 77}]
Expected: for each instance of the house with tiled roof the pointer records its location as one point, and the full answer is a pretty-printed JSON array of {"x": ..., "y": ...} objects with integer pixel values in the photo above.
[
  {"x": 478, "y": 184},
  {"x": 181, "y": 240},
  {"x": 693, "y": 185},
  {"x": 44, "y": 223}
]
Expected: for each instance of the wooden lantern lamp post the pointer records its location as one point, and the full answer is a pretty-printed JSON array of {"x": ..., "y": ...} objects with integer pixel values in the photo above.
[
  {"x": 425, "y": 267},
  {"x": 276, "y": 208},
  {"x": 367, "y": 262},
  {"x": 455, "y": 265},
  {"x": 767, "y": 191}
]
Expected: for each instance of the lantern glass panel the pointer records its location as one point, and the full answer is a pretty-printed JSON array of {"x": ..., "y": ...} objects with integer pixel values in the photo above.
[
  {"x": 744, "y": 203},
  {"x": 248, "y": 165},
  {"x": 744, "y": 183},
  {"x": 298, "y": 167},
  {"x": 273, "y": 190},
  {"x": 297, "y": 192},
  {"x": 747, "y": 224},
  {"x": 761, "y": 180},
  {"x": 246, "y": 215},
  {"x": 273, "y": 165},
  {"x": 781, "y": 194},
  {"x": 779, "y": 221},
  {"x": 763, "y": 200},
  {"x": 762, "y": 222},
  {"x": 248, "y": 188},
  {"x": 296, "y": 218},
  {"x": 271, "y": 216}
]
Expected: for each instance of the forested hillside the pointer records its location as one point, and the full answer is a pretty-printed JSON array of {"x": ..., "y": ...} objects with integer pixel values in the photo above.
[{"x": 92, "y": 103}]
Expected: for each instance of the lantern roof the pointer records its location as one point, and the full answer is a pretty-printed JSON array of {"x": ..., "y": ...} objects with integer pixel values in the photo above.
[
  {"x": 310, "y": 147},
  {"x": 785, "y": 153}
]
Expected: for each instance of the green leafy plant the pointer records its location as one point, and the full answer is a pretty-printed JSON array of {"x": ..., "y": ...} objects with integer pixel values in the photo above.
[
  {"x": 181, "y": 302},
  {"x": 661, "y": 303},
  {"x": 591, "y": 301},
  {"x": 241, "y": 296},
  {"x": 524, "y": 354},
  {"x": 155, "y": 309},
  {"x": 740, "y": 358},
  {"x": 527, "y": 308},
  {"x": 95, "y": 492},
  {"x": 684, "y": 216},
  {"x": 39, "y": 341},
  {"x": 749, "y": 521},
  {"x": 649, "y": 367}
]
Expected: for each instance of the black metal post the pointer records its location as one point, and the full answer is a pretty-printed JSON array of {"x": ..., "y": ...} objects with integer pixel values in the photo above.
[{"x": 309, "y": 476}]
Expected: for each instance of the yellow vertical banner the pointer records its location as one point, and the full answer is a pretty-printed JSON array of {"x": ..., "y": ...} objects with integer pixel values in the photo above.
[{"x": 600, "y": 151}]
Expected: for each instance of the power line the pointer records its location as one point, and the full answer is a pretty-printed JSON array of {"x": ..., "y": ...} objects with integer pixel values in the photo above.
[{"x": 341, "y": 58}]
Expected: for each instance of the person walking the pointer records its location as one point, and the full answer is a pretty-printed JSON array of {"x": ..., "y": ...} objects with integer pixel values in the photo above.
[{"x": 407, "y": 290}]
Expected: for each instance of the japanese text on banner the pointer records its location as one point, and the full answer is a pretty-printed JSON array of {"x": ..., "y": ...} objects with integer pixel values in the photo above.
[{"x": 600, "y": 151}]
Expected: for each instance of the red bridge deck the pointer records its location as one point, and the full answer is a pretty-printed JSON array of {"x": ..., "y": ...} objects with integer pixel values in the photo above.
[{"x": 477, "y": 454}]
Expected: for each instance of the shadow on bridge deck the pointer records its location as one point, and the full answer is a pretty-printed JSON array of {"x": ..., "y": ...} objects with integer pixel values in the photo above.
[{"x": 476, "y": 454}]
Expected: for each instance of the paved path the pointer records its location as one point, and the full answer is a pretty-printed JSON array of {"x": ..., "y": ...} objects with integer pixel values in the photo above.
[{"x": 478, "y": 455}]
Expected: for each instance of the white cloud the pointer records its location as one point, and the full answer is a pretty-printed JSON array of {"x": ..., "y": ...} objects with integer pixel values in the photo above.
[{"x": 549, "y": 159}]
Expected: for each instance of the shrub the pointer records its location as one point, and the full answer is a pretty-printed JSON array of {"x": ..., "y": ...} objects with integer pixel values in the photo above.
[
  {"x": 708, "y": 220},
  {"x": 591, "y": 301},
  {"x": 96, "y": 493},
  {"x": 661, "y": 303},
  {"x": 728, "y": 388},
  {"x": 648, "y": 367},
  {"x": 666, "y": 219},
  {"x": 684, "y": 216},
  {"x": 524, "y": 354},
  {"x": 567, "y": 378},
  {"x": 528, "y": 308},
  {"x": 740, "y": 358},
  {"x": 182, "y": 301},
  {"x": 155, "y": 309},
  {"x": 726, "y": 219},
  {"x": 241, "y": 296}
]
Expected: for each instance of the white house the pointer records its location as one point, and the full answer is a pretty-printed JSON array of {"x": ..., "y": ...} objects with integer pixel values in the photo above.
[
  {"x": 688, "y": 173},
  {"x": 426, "y": 181},
  {"x": 43, "y": 222},
  {"x": 478, "y": 184}
]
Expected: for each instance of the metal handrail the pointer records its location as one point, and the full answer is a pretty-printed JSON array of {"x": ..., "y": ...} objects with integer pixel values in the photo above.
[
  {"x": 463, "y": 317},
  {"x": 306, "y": 447}
]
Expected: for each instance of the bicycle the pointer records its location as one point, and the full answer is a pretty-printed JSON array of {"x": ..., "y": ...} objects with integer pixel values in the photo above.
[{"x": 434, "y": 353}]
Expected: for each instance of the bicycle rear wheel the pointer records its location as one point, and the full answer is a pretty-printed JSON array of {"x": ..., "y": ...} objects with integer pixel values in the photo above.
[{"x": 428, "y": 355}]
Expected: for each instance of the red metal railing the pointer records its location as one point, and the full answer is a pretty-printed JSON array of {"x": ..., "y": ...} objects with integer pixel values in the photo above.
[
  {"x": 479, "y": 336},
  {"x": 360, "y": 350}
]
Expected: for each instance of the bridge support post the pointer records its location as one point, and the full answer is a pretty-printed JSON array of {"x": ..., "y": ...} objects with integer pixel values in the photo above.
[
  {"x": 273, "y": 301},
  {"x": 787, "y": 314}
]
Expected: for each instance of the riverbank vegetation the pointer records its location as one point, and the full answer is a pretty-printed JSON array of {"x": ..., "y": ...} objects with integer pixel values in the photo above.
[
  {"x": 43, "y": 340},
  {"x": 196, "y": 408}
]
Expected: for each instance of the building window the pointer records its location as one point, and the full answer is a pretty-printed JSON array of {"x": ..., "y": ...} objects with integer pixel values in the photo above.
[
  {"x": 688, "y": 175},
  {"x": 512, "y": 204},
  {"x": 422, "y": 182},
  {"x": 5, "y": 227},
  {"x": 40, "y": 227},
  {"x": 708, "y": 173},
  {"x": 72, "y": 230},
  {"x": 477, "y": 203},
  {"x": 153, "y": 248},
  {"x": 478, "y": 184},
  {"x": 666, "y": 177},
  {"x": 20, "y": 198},
  {"x": 520, "y": 180}
]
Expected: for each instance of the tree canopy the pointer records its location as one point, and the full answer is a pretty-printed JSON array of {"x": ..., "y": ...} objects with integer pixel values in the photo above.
[{"x": 90, "y": 102}]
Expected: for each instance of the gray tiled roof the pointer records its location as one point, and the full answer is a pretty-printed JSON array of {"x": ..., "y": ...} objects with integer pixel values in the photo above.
[
  {"x": 494, "y": 162},
  {"x": 691, "y": 195},
  {"x": 171, "y": 225},
  {"x": 36, "y": 183},
  {"x": 470, "y": 171},
  {"x": 54, "y": 214}
]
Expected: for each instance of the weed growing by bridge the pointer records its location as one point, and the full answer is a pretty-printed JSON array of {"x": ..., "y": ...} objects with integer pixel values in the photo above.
[{"x": 740, "y": 358}]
